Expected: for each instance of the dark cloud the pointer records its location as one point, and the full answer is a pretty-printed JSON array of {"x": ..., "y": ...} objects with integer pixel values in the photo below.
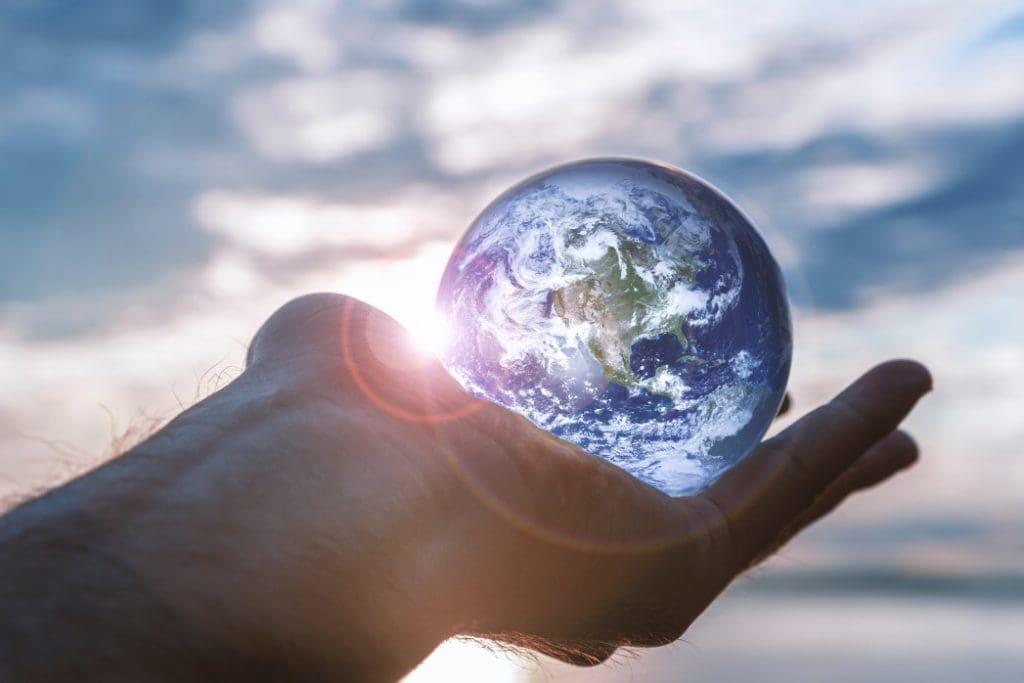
[
  {"x": 142, "y": 25},
  {"x": 472, "y": 16},
  {"x": 955, "y": 231},
  {"x": 82, "y": 207},
  {"x": 89, "y": 213}
]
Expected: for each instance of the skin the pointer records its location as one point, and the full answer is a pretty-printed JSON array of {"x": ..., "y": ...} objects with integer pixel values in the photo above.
[{"x": 343, "y": 507}]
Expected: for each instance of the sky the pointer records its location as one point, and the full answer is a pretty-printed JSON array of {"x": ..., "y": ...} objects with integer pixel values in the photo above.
[{"x": 173, "y": 170}]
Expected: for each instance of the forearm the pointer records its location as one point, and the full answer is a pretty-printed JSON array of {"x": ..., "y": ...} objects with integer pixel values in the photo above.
[
  {"x": 174, "y": 563},
  {"x": 86, "y": 580},
  {"x": 74, "y": 610}
]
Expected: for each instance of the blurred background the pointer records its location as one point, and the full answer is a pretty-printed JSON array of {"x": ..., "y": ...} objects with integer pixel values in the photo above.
[{"x": 173, "y": 170}]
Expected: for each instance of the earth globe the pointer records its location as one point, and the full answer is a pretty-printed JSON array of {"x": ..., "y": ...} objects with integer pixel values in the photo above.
[{"x": 627, "y": 307}]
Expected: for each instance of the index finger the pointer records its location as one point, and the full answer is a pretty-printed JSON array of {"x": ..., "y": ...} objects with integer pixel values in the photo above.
[{"x": 784, "y": 475}]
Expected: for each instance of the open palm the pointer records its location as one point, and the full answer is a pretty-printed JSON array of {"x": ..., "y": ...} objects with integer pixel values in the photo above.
[{"x": 531, "y": 540}]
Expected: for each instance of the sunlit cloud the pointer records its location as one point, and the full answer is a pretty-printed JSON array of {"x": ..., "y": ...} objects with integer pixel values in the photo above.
[
  {"x": 404, "y": 288},
  {"x": 320, "y": 119},
  {"x": 232, "y": 273},
  {"x": 891, "y": 76},
  {"x": 875, "y": 73},
  {"x": 298, "y": 31},
  {"x": 292, "y": 224},
  {"x": 518, "y": 105},
  {"x": 844, "y": 188}
]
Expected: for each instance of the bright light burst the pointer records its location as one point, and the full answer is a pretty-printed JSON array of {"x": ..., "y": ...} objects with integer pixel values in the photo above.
[
  {"x": 404, "y": 288},
  {"x": 456, "y": 661}
]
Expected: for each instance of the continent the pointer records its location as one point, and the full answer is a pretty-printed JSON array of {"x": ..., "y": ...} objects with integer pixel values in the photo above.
[{"x": 625, "y": 292}]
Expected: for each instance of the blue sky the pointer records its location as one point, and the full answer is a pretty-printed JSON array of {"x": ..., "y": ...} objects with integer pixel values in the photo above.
[
  {"x": 115, "y": 118},
  {"x": 172, "y": 170}
]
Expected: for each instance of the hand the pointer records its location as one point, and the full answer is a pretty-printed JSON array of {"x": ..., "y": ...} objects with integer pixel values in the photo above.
[{"x": 343, "y": 507}]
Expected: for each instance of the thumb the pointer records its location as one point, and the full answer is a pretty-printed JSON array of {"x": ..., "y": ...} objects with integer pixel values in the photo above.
[
  {"x": 361, "y": 352},
  {"x": 309, "y": 324}
]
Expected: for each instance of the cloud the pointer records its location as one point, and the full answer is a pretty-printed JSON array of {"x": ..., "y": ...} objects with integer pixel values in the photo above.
[
  {"x": 320, "y": 119},
  {"x": 844, "y": 188},
  {"x": 300, "y": 32},
  {"x": 958, "y": 228},
  {"x": 286, "y": 225}
]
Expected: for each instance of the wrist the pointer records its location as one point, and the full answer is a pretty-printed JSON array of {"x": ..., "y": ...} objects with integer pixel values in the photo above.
[
  {"x": 253, "y": 546},
  {"x": 266, "y": 542}
]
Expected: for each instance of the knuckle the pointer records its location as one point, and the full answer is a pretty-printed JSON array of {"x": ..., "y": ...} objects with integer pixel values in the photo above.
[
  {"x": 851, "y": 416},
  {"x": 714, "y": 529},
  {"x": 308, "y": 323},
  {"x": 795, "y": 464}
]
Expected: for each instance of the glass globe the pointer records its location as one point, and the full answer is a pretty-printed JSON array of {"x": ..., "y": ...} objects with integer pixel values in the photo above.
[{"x": 627, "y": 307}]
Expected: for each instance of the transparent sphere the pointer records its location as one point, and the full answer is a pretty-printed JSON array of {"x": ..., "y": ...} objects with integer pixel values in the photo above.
[{"x": 627, "y": 307}]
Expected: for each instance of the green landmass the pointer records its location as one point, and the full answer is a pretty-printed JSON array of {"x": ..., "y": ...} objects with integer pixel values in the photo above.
[{"x": 620, "y": 304}]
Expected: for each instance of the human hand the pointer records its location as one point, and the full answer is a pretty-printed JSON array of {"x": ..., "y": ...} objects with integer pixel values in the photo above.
[
  {"x": 548, "y": 547},
  {"x": 344, "y": 506}
]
